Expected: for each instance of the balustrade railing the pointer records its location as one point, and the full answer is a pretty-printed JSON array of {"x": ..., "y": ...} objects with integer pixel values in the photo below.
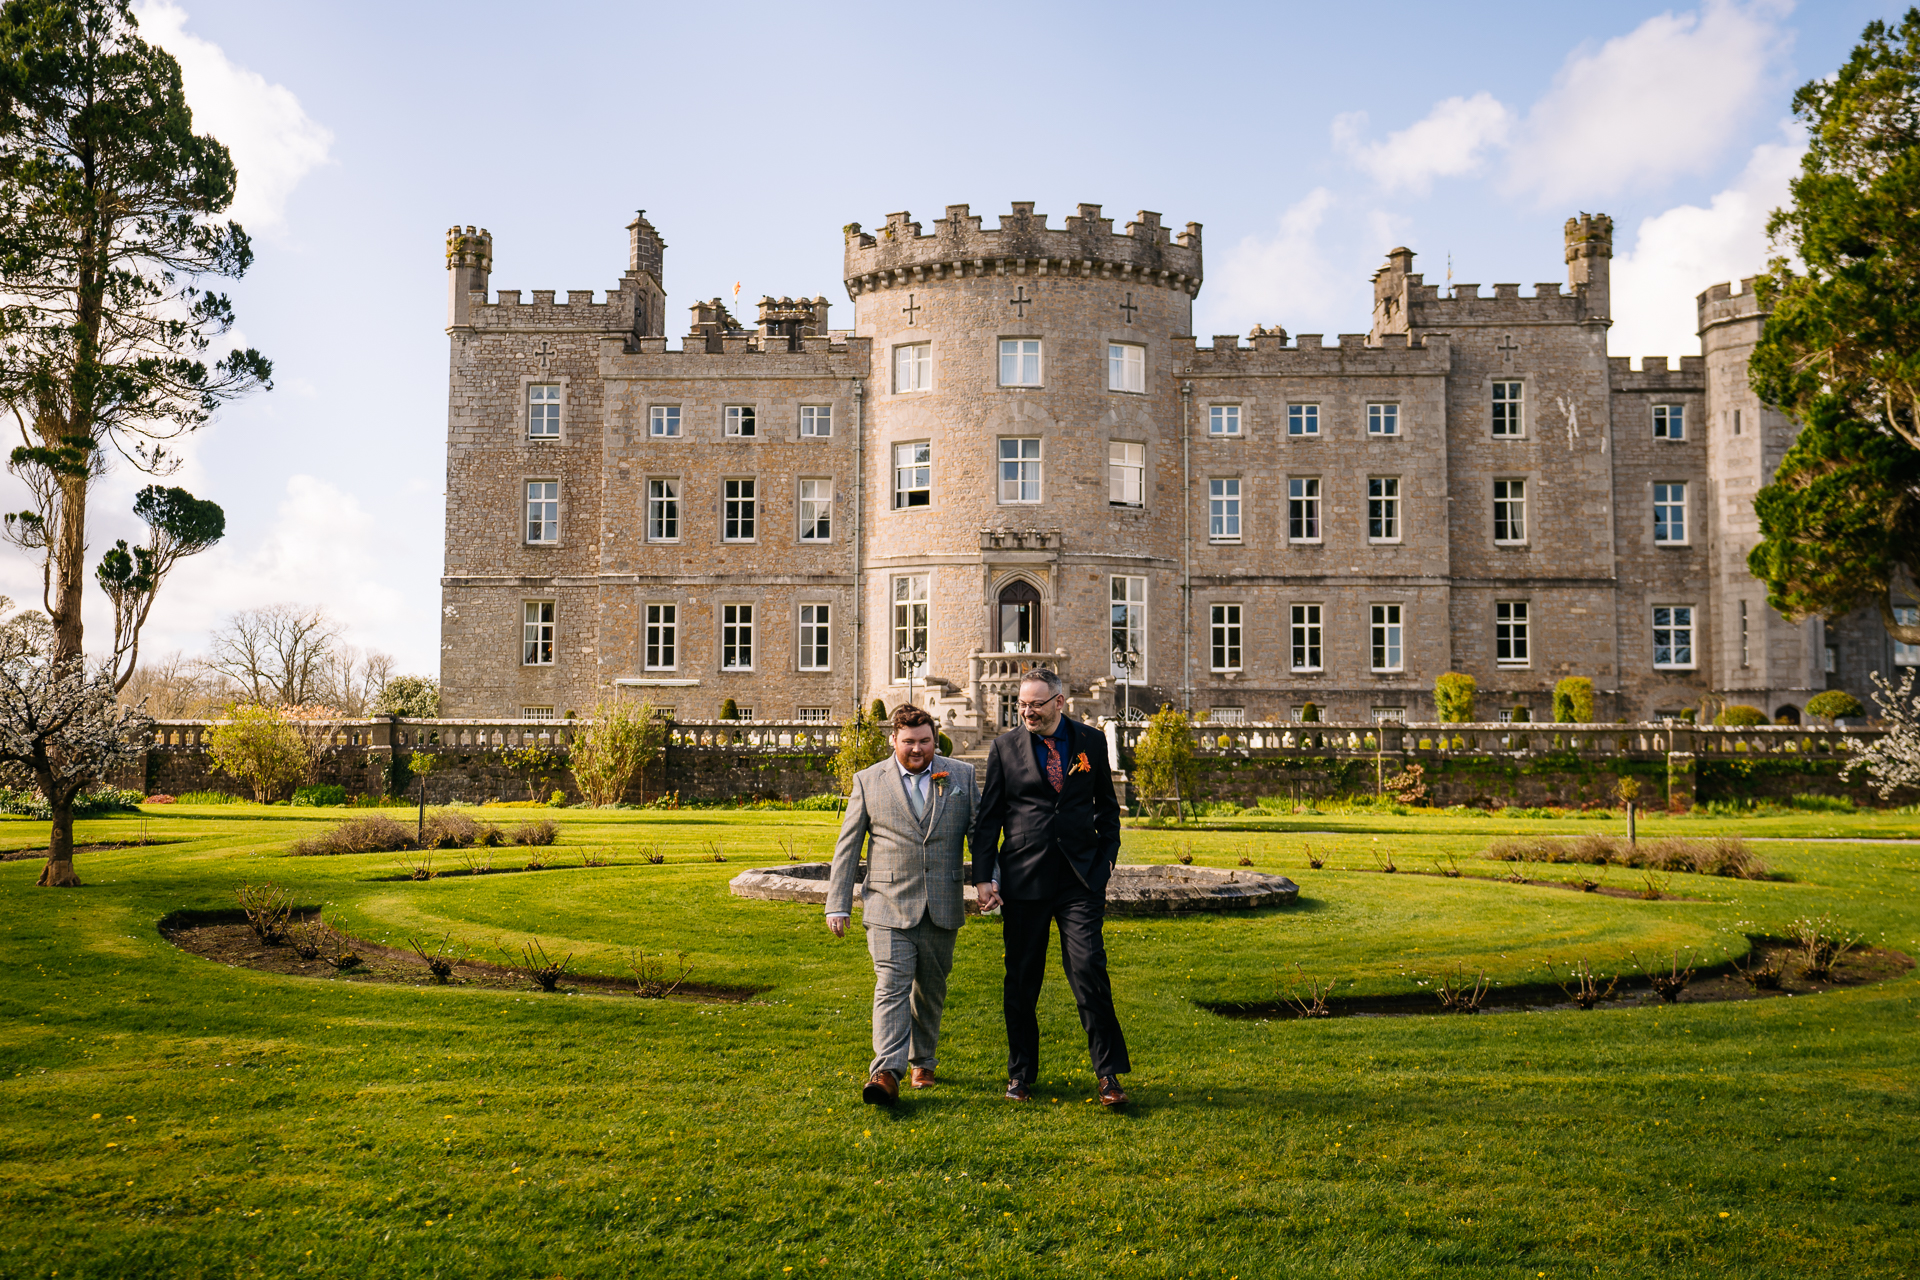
[{"x": 1524, "y": 739}]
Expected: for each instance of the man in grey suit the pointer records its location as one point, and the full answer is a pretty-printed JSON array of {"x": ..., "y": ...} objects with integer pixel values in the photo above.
[{"x": 913, "y": 811}]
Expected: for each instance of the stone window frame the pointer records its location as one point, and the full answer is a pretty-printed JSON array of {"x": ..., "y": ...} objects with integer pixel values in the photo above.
[
  {"x": 1395, "y": 416},
  {"x": 539, "y": 635},
  {"x": 800, "y": 503},
  {"x": 753, "y": 515},
  {"x": 1133, "y": 622},
  {"x": 1387, "y": 632},
  {"x": 1664, "y": 416},
  {"x": 893, "y": 469},
  {"x": 1525, "y": 402},
  {"x": 679, "y": 499},
  {"x": 1691, "y": 627},
  {"x": 925, "y": 384},
  {"x": 1237, "y": 516},
  {"x": 802, "y": 646},
  {"x": 1236, "y": 410},
  {"x": 813, "y": 715},
  {"x": 1000, "y": 361},
  {"x": 1519, "y": 631},
  {"x": 1226, "y": 631},
  {"x": 1306, "y": 635},
  {"x": 536, "y": 713},
  {"x": 1313, "y": 419},
  {"x": 742, "y": 411},
  {"x": 1686, "y": 526},
  {"x": 751, "y": 623},
  {"x": 669, "y": 622},
  {"x": 679, "y": 419},
  {"x": 524, "y": 410},
  {"x": 897, "y": 671},
  {"x": 1126, "y": 346},
  {"x": 1317, "y": 500},
  {"x": 1493, "y": 510},
  {"x": 1395, "y": 516},
  {"x": 800, "y": 421},
  {"x": 1141, "y": 467},
  {"x": 526, "y": 510},
  {"x": 1038, "y": 461},
  {"x": 1906, "y": 655}
]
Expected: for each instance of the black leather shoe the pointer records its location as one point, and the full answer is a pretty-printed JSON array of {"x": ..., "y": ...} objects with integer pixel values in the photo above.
[
  {"x": 1017, "y": 1091},
  {"x": 1112, "y": 1096}
]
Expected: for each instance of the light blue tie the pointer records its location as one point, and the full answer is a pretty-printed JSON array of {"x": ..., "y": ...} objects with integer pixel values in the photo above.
[{"x": 914, "y": 801}]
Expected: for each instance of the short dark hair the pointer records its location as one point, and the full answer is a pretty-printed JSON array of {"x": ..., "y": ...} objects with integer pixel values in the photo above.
[
  {"x": 908, "y": 716},
  {"x": 1046, "y": 676}
]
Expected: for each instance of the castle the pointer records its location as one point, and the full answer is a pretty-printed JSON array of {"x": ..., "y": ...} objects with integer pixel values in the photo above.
[{"x": 1018, "y": 453}]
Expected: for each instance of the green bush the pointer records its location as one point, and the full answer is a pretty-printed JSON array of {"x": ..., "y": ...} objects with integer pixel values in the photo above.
[
  {"x": 415, "y": 697},
  {"x": 262, "y": 746},
  {"x": 1741, "y": 716},
  {"x": 944, "y": 745},
  {"x": 729, "y": 710},
  {"x": 1573, "y": 701},
  {"x": 27, "y": 802},
  {"x": 1453, "y": 693},
  {"x": 207, "y": 797},
  {"x": 878, "y": 712},
  {"x": 1310, "y": 714},
  {"x": 1823, "y": 804},
  {"x": 1834, "y": 704},
  {"x": 821, "y": 804},
  {"x": 1163, "y": 763},
  {"x": 321, "y": 795},
  {"x": 862, "y": 742}
]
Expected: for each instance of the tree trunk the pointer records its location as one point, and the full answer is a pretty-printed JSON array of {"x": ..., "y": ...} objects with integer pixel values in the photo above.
[{"x": 58, "y": 873}]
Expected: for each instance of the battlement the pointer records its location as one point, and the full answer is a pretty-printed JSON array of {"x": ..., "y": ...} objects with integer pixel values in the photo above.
[
  {"x": 1729, "y": 302},
  {"x": 1656, "y": 373},
  {"x": 1271, "y": 354},
  {"x": 579, "y": 312},
  {"x": 898, "y": 253},
  {"x": 469, "y": 248},
  {"x": 736, "y": 355}
]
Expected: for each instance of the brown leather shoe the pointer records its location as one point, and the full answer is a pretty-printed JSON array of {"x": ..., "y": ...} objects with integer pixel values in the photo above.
[
  {"x": 883, "y": 1089},
  {"x": 922, "y": 1077},
  {"x": 1017, "y": 1090},
  {"x": 1112, "y": 1096}
]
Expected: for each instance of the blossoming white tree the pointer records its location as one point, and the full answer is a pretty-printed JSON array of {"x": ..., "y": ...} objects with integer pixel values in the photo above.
[{"x": 1893, "y": 763}]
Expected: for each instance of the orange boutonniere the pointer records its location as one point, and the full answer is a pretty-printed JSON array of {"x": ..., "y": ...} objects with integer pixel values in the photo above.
[
  {"x": 1080, "y": 763},
  {"x": 940, "y": 781}
]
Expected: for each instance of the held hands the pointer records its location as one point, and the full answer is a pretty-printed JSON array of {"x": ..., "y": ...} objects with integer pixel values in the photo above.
[{"x": 989, "y": 897}]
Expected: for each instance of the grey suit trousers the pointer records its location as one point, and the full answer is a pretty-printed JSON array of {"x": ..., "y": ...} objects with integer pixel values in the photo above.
[{"x": 909, "y": 991}]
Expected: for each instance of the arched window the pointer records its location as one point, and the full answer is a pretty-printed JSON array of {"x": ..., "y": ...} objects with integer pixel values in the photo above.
[
  {"x": 1019, "y": 617},
  {"x": 1786, "y": 713}
]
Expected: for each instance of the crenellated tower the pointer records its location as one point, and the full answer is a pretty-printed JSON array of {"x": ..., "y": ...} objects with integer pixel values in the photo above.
[
  {"x": 469, "y": 261},
  {"x": 1590, "y": 262}
]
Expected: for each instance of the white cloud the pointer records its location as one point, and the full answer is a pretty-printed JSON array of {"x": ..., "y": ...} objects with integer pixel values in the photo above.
[
  {"x": 1287, "y": 278},
  {"x": 1661, "y": 101},
  {"x": 1452, "y": 140},
  {"x": 273, "y": 140},
  {"x": 1679, "y": 253}
]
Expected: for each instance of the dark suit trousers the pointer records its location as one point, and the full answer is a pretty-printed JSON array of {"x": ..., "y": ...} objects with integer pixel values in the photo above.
[{"x": 1027, "y": 923}]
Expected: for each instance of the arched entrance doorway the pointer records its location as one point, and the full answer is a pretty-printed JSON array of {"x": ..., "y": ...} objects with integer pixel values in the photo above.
[{"x": 1019, "y": 617}]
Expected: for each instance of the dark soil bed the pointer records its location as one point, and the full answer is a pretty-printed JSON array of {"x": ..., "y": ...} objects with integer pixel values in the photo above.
[
  {"x": 1514, "y": 877},
  {"x": 22, "y": 855},
  {"x": 225, "y": 937},
  {"x": 1710, "y": 984}
]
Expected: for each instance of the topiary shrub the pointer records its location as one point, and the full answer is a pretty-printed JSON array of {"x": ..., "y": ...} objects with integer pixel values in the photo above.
[
  {"x": 1835, "y": 704},
  {"x": 729, "y": 710},
  {"x": 1453, "y": 693},
  {"x": 324, "y": 794},
  {"x": 878, "y": 711},
  {"x": 1573, "y": 701},
  {"x": 1310, "y": 714},
  {"x": 1740, "y": 716},
  {"x": 944, "y": 745}
]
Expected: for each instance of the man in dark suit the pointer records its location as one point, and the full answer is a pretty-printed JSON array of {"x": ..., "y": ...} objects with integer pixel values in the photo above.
[{"x": 1045, "y": 837}]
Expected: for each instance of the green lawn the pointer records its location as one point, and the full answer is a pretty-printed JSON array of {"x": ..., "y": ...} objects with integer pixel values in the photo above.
[{"x": 165, "y": 1115}]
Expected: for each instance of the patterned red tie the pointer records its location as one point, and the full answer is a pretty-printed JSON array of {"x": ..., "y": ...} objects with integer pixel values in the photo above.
[{"x": 1056, "y": 771}]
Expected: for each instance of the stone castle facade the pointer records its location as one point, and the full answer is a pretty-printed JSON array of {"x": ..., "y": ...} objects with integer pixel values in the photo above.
[{"x": 1018, "y": 453}]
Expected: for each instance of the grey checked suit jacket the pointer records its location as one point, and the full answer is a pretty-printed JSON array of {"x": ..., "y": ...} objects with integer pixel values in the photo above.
[{"x": 914, "y": 868}]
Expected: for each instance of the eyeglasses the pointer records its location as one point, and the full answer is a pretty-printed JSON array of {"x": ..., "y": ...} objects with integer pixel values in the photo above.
[{"x": 1041, "y": 705}]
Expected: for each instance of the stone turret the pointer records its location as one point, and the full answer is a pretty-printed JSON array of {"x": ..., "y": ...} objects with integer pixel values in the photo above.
[
  {"x": 646, "y": 251},
  {"x": 469, "y": 261},
  {"x": 1589, "y": 262}
]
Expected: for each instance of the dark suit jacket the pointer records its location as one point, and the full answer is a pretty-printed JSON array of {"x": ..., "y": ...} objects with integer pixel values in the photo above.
[{"x": 1024, "y": 831}]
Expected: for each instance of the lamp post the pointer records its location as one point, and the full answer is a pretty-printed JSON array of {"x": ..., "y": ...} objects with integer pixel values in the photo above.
[
  {"x": 912, "y": 657},
  {"x": 1127, "y": 659}
]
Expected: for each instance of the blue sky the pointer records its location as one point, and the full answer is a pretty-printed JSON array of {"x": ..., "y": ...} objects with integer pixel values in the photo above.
[{"x": 1308, "y": 139}]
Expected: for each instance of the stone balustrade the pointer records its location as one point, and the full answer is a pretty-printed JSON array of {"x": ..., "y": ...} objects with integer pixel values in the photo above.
[{"x": 1593, "y": 741}]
